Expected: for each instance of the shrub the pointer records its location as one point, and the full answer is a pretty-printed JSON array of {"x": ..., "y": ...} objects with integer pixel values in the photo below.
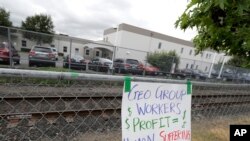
[{"x": 164, "y": 60}]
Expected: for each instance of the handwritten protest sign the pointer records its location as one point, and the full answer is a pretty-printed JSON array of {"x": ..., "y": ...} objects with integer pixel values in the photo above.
[{"x": 156, "y": 112}]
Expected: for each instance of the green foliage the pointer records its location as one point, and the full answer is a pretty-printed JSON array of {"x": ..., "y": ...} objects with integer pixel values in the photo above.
[
  {"x": 39, "y": 23},
  {"x": 222, "y": 25},
  {"x": 4, "y": 21},
  {"x": 238, "y": 62},
  {"x": 5, "y": 18},
  {"x": 164, "y": 60}
]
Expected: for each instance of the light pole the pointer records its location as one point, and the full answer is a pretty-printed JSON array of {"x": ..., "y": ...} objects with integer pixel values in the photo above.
[
  {"x": 221, "y": 68},
  {"x": 211, "y": 68},
  {"x": 149, "y": 47},
  {"x": 114, "y": 49}
]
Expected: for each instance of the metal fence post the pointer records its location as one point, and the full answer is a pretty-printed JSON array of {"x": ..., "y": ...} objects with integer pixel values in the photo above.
[
  {"x": 70, "y": 46},
  {"x": 10, "y": 48},
  {"x": 113, "y": 58}
]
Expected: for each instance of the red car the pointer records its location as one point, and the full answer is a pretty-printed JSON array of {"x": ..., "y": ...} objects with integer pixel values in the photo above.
[
  {"x": 5, "y": 51},
  {"x": 150, "y": 70}
]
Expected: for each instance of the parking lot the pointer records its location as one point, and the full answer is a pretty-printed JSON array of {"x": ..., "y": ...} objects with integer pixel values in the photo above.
[{"x": 128, "y": 67}]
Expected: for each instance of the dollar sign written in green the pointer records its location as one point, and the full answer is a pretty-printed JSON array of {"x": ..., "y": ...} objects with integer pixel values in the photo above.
[
  {"x": 127, "y": 123},
  {"x": 129, "y": 110}
]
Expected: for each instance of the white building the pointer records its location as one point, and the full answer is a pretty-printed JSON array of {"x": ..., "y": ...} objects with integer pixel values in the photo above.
[
  {"x": 130, "y": 41},
  {"x": 64, "y": 45},
  {"x": 135, "y": 42}
]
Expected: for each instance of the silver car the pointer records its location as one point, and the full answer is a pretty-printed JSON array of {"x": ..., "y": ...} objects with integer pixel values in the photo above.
[{"x": 42, "y": 56}]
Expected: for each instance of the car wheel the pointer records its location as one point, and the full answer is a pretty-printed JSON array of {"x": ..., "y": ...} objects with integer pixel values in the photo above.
[
  {"x": 224, "y": 79},
  {"x": 53, "y": 65},
  {"x": 119, "y": 70},
  {"x": 18, "y": 62},
  {"x": 30, "y": 64},
  {"x": 197, "y": 77}
]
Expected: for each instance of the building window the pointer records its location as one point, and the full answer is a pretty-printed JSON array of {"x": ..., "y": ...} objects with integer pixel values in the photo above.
[
  {"x": 196, "y": 67},
  {"x": 192, "y": 66},
  {"x": 65, "y": 48},
  {"x": 76, "y": 50},
  {"x": 206, "y": 55},
  {"x": 86, "y": 52},
  {"x": 159, "y": 45},
  {"x": 186, "y": 66},
  {"x": 97, "y": 53},
  {"x": 190, "y": 52},
  {"x": 52, "y": 45},
  {"x": 206, "y": 68},
  {"x": 24, "y": 43},
  {"x": 182, "y": 50}
]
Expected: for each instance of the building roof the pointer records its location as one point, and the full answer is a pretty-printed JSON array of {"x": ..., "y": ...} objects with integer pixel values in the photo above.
[
  {"x": 101, "y": 42},
  {"x": 149, "y": 33}
]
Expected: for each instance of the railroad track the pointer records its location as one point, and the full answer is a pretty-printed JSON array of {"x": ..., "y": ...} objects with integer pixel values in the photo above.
[
  {"x": 82, "y": 108},
  {"x": 11, "y": 105}
]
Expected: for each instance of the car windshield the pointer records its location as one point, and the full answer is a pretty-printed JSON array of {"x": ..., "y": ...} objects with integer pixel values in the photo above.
[
  {"x": 198, "y": 71},
  {"x": 77, "y": 57},
  {"x": 149, "y": 65},
  {"x": 106, "y": 60},
  {"x": 131, "y": 61},
  {"x": 2, "y": 45},
  {"x": 54, "y": 50},
  {"x": 42, "y": 49}
]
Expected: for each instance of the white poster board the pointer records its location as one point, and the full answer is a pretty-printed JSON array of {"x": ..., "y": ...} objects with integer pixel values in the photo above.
[{"x": 156, "y": 112}]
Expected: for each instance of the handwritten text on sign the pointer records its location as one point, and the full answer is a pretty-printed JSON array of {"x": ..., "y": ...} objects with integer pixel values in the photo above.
[{"x": 156, "y": 112}]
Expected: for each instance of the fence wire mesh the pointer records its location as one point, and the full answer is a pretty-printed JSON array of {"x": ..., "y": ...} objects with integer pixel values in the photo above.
[
  {"x": 41, "y": 109},
  {"x": 64, "y": 53}
]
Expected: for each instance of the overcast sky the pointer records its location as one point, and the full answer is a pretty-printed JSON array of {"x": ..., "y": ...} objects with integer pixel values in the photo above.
[{"x": 89, "y": 18}]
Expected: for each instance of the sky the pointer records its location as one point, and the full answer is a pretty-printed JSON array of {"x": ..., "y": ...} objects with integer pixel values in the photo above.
[{"x": 89, "y": 18}]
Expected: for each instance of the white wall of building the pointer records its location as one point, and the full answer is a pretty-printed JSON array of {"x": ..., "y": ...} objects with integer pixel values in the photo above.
[{"x": 134, "y": 43}]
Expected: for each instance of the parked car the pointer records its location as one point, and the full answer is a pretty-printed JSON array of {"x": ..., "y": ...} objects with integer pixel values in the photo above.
[
  {"x": 128, "y": 66},
  {"x": 42, "y": 56},
  {"x": 198, "y": 74},
  {"x": 228, "y": 75},
  {"x": 75, "y": 62},
  {"x": 5, "y": 50},
  {"x": 191, "y": 74},
  {"x": 150, "y": 69},
  {"x": 245, "y": 77},
  {"x": 54, "y": 50},
  {"x": 100, "y": 64}
]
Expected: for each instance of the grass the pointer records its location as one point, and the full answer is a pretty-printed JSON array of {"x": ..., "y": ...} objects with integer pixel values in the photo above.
[
  {"x": 56, "y": 69},
  {"x": 209, "y": 130},
  {"x": 216, "y": 129}
]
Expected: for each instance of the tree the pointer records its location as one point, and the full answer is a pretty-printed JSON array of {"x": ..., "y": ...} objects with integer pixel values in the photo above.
[
  {"x": 238, "y": 62},
  {"x": 5, "y": 18},
  {"x": 222, "y": 25},
  {"x": 39, "y": 23},
  {"x": 4, "y": 21},
  {"x": 164, "y": 60}
]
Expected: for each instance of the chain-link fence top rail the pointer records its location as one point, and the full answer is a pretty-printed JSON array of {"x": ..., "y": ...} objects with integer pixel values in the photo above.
[
  {"x": 43, "y": 105},
  {"x": 24, "y": 56}
]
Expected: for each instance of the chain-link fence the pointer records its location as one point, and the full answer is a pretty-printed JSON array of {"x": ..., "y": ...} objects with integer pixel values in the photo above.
[
  {"x": 24, "y": 49},
  {"x": 43, "y": 105}
]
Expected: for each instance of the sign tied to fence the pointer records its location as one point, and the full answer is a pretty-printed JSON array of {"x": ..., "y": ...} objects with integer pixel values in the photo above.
[{"x": 156, "y": 112}]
